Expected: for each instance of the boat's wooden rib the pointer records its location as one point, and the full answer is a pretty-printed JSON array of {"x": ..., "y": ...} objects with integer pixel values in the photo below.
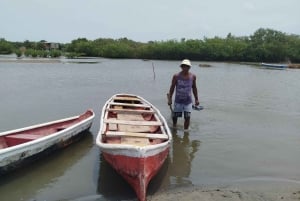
[{"x": 140, "y": 135}]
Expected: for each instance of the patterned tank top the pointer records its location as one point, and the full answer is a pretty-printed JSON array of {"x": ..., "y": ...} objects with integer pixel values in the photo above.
[{"x": 184, "y": 89}]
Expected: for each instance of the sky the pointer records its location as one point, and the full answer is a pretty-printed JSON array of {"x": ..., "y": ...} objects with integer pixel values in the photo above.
[{"x": 143, "y": 20}]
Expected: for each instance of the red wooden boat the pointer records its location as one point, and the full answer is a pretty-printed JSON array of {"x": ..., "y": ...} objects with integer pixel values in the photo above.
[
  {"x": 23, "y": 145},
  {"x": 134, "y": 139}
]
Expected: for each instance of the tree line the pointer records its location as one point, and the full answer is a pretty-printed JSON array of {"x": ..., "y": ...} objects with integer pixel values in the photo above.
[{"x": 265, "y": 45}]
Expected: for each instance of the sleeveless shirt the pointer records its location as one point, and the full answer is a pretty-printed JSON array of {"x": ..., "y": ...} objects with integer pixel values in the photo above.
[{"x": 184, "y": 89}]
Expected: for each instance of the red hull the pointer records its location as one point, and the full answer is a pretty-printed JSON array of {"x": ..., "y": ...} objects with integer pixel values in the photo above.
[{"x": 138, "y": 172}]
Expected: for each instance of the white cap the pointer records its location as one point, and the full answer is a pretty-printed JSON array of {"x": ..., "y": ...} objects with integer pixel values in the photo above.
[{"x": 186, "y": 62}]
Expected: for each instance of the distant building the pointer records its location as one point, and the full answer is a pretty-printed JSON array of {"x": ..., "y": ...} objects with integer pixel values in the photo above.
[{"x": 51, "y": 46}]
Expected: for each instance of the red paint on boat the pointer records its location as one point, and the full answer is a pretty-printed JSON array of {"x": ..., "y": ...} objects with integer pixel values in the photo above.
[{"x": 137, "y": 171}]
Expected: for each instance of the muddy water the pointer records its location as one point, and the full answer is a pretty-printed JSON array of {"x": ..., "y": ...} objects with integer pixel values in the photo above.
[{"x": 248, "y": 130}]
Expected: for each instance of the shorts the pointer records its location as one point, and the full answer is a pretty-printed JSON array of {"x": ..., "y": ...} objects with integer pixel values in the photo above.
[{"x": 179, "y": 108}]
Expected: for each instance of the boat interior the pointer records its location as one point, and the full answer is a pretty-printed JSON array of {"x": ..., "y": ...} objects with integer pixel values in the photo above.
[
  {"x": 16, "y": 138},
  {"x": 128, "y": 120}
]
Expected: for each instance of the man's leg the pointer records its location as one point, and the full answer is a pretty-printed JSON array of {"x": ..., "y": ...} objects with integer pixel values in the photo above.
[
  {"x": 177, "y": 112},
  {"x": 187, "y": 116},
  {"x": 187, "y": 123},
  {"x": 174, "y": 121}
]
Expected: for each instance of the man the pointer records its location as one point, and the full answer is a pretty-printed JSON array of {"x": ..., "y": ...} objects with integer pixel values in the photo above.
[{"x": 185, "y": 84}]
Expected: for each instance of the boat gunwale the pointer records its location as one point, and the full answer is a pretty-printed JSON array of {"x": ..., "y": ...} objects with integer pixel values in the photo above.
[{"x": 37, "y": 125}]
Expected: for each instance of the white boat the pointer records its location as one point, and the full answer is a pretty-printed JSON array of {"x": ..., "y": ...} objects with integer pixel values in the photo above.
[
  {"x": 274, "y": 66},
  {"x": 21, "y": 146},
  {"x": 134, "y": 139}
]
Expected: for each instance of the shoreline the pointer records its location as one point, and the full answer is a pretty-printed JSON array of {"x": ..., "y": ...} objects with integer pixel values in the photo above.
[
  {"x": 30, "y": 61},
  {"x": 64, "y": 60},
  {"x": 47, "y": 60},
  {"x": 241, "y": 191}
]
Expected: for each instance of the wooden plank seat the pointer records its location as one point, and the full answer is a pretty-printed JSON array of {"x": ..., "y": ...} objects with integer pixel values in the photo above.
[
  {"x": 137, "y": 128},
  {"x": 132, "y": 105},
  {"x": 130, "y": 111},
  {"x": 24, "y": 136},
  {"x": 140, "y": 123},
  {"x": 139, "y": 135},
  {"x": 126, "y": 98}
]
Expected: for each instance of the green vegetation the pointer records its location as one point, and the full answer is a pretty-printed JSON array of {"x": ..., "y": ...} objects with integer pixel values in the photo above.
[
  {"x": 264, "y": 45},
  {"x": 6, "y": 47}
]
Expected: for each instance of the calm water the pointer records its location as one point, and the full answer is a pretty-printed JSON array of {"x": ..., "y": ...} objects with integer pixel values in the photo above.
[{"x": 249, "y": 129}]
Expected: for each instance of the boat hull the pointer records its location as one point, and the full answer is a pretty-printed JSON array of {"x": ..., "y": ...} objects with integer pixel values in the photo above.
[
  {"x": 14, "y": 157},
  {"x": 137, "y": 171}
]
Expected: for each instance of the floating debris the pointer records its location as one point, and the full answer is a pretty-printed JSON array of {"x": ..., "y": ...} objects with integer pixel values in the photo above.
[{"x": 204, "y": 65}]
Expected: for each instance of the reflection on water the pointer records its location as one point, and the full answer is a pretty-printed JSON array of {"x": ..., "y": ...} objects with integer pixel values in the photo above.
[
  {"x": 184, "y": 151},
  {"x": 111, "y": 185},
  {"x": 180, "y": 160}
]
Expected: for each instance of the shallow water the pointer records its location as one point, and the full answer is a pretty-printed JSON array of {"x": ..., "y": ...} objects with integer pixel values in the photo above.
[{"x": 248, "y": 130}]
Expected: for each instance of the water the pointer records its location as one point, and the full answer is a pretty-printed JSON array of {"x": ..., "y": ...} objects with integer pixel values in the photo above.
[{"x": 248, "y": 130}]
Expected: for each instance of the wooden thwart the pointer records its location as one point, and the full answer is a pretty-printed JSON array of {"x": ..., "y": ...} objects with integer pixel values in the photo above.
[
  {"x": 127, "y": 98},
  {"x": 140, "y": 123},
  {"x": 136, "y": 128},
  {"x": 132, "y": 105},
  {"x": 24, "y": 136},
  {"x": 130, "y": 111},
  {"x": 140, "y": 135}
]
